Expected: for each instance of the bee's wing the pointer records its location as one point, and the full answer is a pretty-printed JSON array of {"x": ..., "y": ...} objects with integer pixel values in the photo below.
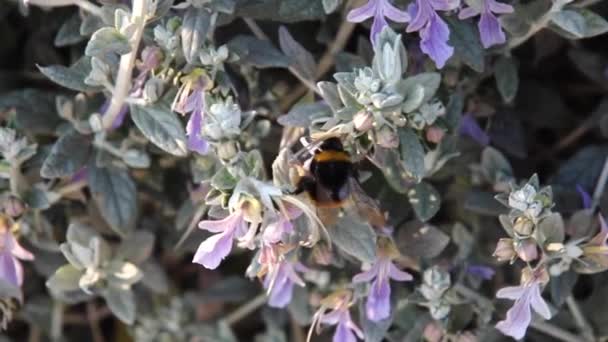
[{"x": 366, "y": 206}]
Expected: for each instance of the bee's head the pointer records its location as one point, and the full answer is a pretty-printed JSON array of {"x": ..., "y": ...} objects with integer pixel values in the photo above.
[{"x": 332, "y": 144}]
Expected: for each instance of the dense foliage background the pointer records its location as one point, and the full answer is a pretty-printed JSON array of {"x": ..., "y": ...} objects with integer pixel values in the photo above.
[{"x": 125, "y": 124}]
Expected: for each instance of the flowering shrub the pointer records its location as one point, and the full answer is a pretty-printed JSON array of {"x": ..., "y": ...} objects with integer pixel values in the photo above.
[{"x": 341, "y": 168}]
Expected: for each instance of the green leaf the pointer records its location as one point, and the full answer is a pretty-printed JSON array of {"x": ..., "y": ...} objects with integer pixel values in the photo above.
[
  {"x": 355, "y": 238},
  {"x": 507, "y": 79},
  {"x": 122, "y": 303},
  {"x": 68, "y": 155},
  {"x": 425, "y": 200},
  {"x": 194, "y": 31},
  {"x": 259, "y": 53},
  {"x": 430, "y": 81},
  {"x": 331, "y": 5},
  {"x": 467, "y": 46},
  {"x": 137, "y": 247},
  {"x": 223, "y": 180},
  {"x": 161, "y": 126},
  {"x": 412, "y": 154},
  {"x": 288, "y": 10},
  {"x": 577, "y": 23},
  {"x": 329, "y": 93},
  {"x": 35, "y": 110},
  {"x": 551, "y": 229},
  {"x": 155, "y": 277},
  {"x": 301, "y": 60},
  {"x": 72, "y": 77},
  {"x": 421, "y": 241},
  {"x": 65, "y": 279},
  {"x": 373, "y": 331},
  {"x": 454, "y": 110},
  {"x": 116, "y": 196},
  {"x": 69, "y": 32},
  {"x": 107, "y": 41},
  {"x": 302, "y": 115},
  {"x": 389, "y": 162}
]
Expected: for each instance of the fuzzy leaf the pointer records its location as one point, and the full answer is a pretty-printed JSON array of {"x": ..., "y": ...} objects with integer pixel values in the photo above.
[
  {"x": 69, "y": 32},
  {"x": 122, "y": 303},
  {"x": 68, "y": 155},
  {"x": 578, "y": 23},
  {"x": 72, "y": 77},
  {"x": 116, "y": 196},
  {"x": 467, "y": 46},
  {"x": 161, "y": 126},
  {"x": 355, "y": 238},
  {"x": 35, "y": 109},
  {"x": 421, "y": 241},
  {"x": 302, "y": 115},
  {"x": 259, "y": 53},
  {"x": 107, "y": 41},
  {"x": 193, "y": 31},
  {"x": 301, "y": 60},
  {"x": 412, "y": 154},
  {"x": 425, "y": 200},
  {"x": 65, "y": 279},
  {"x": 507, "y": 79}
]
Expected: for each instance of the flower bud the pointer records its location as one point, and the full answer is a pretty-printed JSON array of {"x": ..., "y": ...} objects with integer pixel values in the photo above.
[
  {"x": 363, "y": 121},
  {"x": 387, "y": 138},
  {"x": 523, "y": 226},
  {"x": 433, "y": 332},
  {"x": 526, "y": 250},
  {"x": 504, "y": 250},
  {"x": 434, "y": 134},
  {"x": 13, "y": 206}
]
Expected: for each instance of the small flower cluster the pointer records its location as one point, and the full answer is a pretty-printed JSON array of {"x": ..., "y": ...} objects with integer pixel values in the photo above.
[{"x": 423, "y": 18}]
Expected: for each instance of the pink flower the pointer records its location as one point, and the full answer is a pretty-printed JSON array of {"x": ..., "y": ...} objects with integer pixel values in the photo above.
[
  {"x": 378, "y": 306},
  {"x": 11, "y": 251},
  {"x": 280, "y": 280},
  {"x": 214, "y": 249},
  {"x": 378, "y": 9},
  {"x": 519, "y": 316}
]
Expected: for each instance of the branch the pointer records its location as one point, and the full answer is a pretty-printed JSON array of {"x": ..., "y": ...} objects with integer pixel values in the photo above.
[
  {"x": 582, "y": 323},
  {"x": 553, "y": 331},
  {"x": 244, "y": 310},
  {"x": 127, "y": 62}
]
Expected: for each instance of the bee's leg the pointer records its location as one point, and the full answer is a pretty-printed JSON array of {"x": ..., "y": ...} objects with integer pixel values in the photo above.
[{"x": 306, "y": 183}]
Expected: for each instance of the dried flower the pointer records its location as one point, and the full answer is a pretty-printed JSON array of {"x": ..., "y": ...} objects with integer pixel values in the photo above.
[
  {"x": 489, "y": 27},
  {"x": 378, "y": 9}
]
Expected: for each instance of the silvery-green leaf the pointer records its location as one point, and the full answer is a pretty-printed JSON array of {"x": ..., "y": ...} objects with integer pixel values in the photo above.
[
  {"x": 348, "y": 99},
  {"x": 463, "y": 239},
  {"x": 38, "y": 198},
  {"x": 35, "y": 110},
  {"x": 331, "y": 5},
  {"x": 155, "y": 277},
  {"x": 329, "y": 93},
  {"x": 425, "y": 200},
  {"x": 122, "y": 303},
  {"x": 387, "y": 59},
  {"x": 483, "y": 203},
  {"x": 454, "y": 110},
  {"x": 550, "y": 229},
  {"x": 65, "y": 279},
  {"x": 68, "y": 155},
  {"x": 301, "y": 59},
  {"x": 464, "y": 37},
  {"x": 259, "y": 53},
  {"x": 69, "y": 32},
  {"x": 578, "y": 23},
  {"x": 421, "y": 240},
  {"x": 302, "y": 115},
  {"x": 137, "y": 247},
  {"x": 428, "y": 80},
  {"x": 72, "y": 77},
  {"x": 223, "y": 180},
  {"x": 346, "y": 81},
  {"x": 288, "y": 10},
  {"x": 161, "y": 126},
  {"x": 413, "y": 99},
  {"x": 106, "y": 41},
  {"x": 354, "y": 237},
  {"x": 194, "y": 30},
  {"x": 116, "y": 196},
  {"x": 494, "y": 163},
  {"x": 389, "y": 162},
  {"x": 412, "y": 154},
  {"x": 136, "y": 159},
  {"x": 507, "y": 79},
  {"x": 122, "y": 274}
]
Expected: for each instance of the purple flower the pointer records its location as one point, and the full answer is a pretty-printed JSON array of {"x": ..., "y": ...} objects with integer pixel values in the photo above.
[
  {"x": 214, "y": 249},
  {"x": 377, "y": 9},
  {"x": 519, "y": 316},
  {"x": 469, "y": 127},
  {"x": 489, "y": 28},
  {"x": 10, "y": 253},
  {"x": 190, "y": 98},
  {"x": 434, "y": 32},
  {"x": 279, "y": 282},
  {"x": 378, "y": 306},
  {"x": 585, "y": 197},
  {"x": 480, "y": 271},
  {"x": 274, "y": 232},
  {"x": 346, "y": 330}
]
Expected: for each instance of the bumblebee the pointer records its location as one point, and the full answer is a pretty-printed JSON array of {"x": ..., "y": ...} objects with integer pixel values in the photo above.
[{"x": 331, "y": 185}]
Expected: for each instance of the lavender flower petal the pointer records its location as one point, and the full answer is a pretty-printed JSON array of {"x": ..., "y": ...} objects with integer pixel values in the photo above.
[
  {"x": 362, "y": 13},
  {"x": 8, "y": 271},
  {"x": 490, "y": 31},
  {"x": 212, "y": 251},
  {"x": 343, "y": 334},
  {"x": 395, "y": 14},
  {"x": 518, "y": 319},
  {"x": 398, "y": 275},
  {"x": 195, "y": 142},
  {"x": 469, "y": 127},
  {"x": 538, "y": 303},
  {"x": 378, "y": 306},
  {"x": 585, "y": 197},
  {"x": 434, "y": 41}
]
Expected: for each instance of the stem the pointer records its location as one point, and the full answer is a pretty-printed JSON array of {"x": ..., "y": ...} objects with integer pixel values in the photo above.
[
  {"x": 257, "y": 31},
  {"x": 244, "y": 310},
  {"x": 94, "y": 322},
  {"x": 195, "y": 219},
  {"x": 71, "y": 187},
  {"x": 600, "y": 187},
  {"x": 582, "y": 323},
  {"x": 57, "y": 321},
  {"x": 127, "y": 62},
  {"x": 554, "y": 331}
]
